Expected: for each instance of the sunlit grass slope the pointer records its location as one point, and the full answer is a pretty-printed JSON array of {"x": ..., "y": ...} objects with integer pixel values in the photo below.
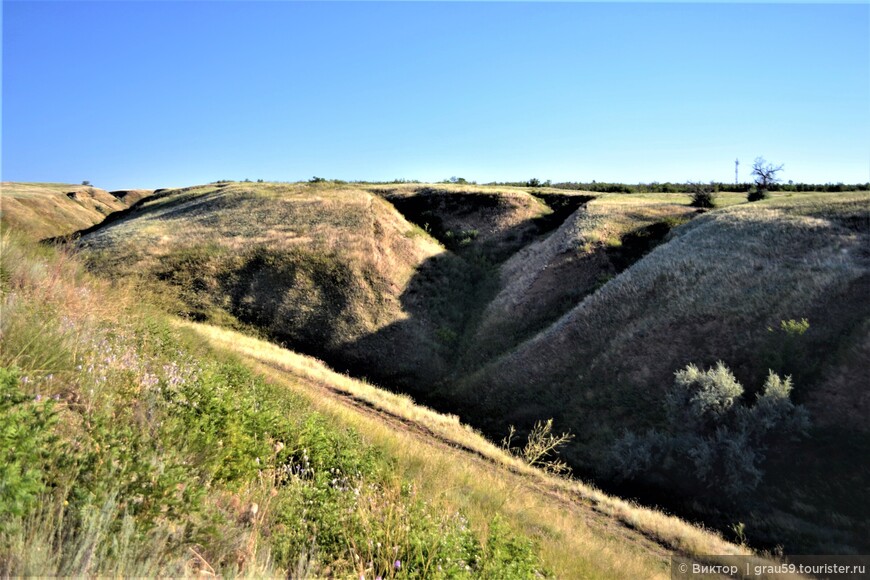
[
  {"x": 512, "y": 305},
  {"x": 144, "y": 447},
  {"x": 335, "y": 270},
  {"x": 719, "y": 289},
  {"x": 580, "y": 532},
  {"x": 45, "y": 210},
  {"x": 544, "y": 280},
  {"x": 130, "y": 448},
  {"x": 321, "y": 267}
]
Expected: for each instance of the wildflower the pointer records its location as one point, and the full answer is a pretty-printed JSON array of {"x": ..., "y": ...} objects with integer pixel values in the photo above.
[
  {"x": 397, "y": 565},
  {"x": 38, "y": 397}
]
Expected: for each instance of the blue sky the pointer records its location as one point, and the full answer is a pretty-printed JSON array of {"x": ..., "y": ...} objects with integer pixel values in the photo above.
[{"x": 157, "y": 94}]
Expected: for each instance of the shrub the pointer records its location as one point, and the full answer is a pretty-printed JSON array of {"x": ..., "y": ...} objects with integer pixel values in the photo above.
[
  {"x": 25, "y": 442},
  {"x": 541, "y": 444},
  {"x": 709, "y": 428},
  {"x": 703, "y": 195},
  {"x": 757, "y": 194},
  {"x": 786, "y": 349}
]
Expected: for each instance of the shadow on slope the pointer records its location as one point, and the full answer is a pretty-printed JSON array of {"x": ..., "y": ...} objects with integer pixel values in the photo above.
[{"x": 719, "y": 290}]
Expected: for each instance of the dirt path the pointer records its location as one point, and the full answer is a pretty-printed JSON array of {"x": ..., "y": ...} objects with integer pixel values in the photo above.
[
  {"x": 558, "y": 492},
  {"x": 636, "y": 533}
]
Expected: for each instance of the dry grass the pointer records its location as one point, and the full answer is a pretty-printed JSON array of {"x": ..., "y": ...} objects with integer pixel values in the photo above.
[
  {"x": 549, "y": 277},
  {"x": 709, "y": 294},
  {"x": 580, "y": 531},
  {"x": 236, "y": 217},
  {"x": 44, "y": 210},
  {"x": 495, "y": 215},
  {"x": 747, "y": 267},
  {"x": 600, "y": 346},
  {"x": 318, "y": 266}
]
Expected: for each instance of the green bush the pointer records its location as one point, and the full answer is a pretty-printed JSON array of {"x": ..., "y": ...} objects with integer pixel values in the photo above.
[
  {"x": 26, "y": 442},
  {"x": 757, "y": 194},
  {"x": 703, "y": 196},
  {"x": 711, "y": 430}
]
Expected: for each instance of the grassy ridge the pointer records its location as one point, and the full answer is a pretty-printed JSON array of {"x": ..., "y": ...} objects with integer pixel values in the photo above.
[
  {"x": 45, "y": 210},
  {"x": 586, "y": 324},
  {"x": 320, "y": 267},
  {"x": 719, "y": 289},
  {"x": 544, "y": 280}
]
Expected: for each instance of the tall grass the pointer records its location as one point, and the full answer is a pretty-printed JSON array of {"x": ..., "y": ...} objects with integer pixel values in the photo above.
[
  {"x": 580, "y": 531},
  {"x": 130, "y": 449}
]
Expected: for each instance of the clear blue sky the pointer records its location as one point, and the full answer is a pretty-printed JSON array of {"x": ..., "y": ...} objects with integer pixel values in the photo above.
[{"x": 156, "y": 94}]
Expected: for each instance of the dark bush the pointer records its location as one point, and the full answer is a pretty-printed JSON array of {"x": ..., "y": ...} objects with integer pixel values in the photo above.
[
  {"x": 756, "y": 194},
  {"x": 711, "y": 434},
  {"x": 703, "y": 195}
]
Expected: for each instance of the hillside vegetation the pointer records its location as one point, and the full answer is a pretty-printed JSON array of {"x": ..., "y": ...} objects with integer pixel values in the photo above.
[
  {"x": 549, "y": 277},
  {"x": 511, "y": 305},
  {"x": 332, "y": 270},
  {"x": 322, "y": 268},
  {"x": 143, "y": 446},
  {"x": 730, "y": 285},
  {"x": 46, "y": 210}
]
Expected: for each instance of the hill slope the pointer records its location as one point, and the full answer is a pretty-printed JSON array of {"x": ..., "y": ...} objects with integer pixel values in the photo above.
[
  {"x": 544, "y": 280},
  {"x": 719, "y": 289},
  {"x": 319, "y": 267},
  {"x": 47, "y": 210},
  {"x": 332, "y": 270},
  {"x": 148, "y": 447},
  {"x": 518, "y": 305}
]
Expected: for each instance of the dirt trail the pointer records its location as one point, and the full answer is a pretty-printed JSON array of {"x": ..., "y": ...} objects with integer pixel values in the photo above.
[
  {"x": 656, "y": 535},
  {"x": 557, "y": 491}
]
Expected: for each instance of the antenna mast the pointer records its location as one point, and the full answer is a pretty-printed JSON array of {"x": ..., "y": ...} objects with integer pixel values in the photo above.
[{"x": 736, "y": 165}]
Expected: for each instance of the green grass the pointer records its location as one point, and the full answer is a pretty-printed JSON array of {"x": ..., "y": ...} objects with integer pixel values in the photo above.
[
  {"x": 137, "y": 450},
  {"x": 145, "y": 447}
]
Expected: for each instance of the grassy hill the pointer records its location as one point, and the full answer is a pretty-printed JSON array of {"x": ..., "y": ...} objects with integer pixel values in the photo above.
[
  {"x": 720, "y": 288},
  {"x": 549, "y": 277},
  {"x": 149, "y": 446},
  {"x": 511, "y": 305},
  {"x": 46, "y": 210},
  {"x": 333, "y": 270},
  {"x": 320, "y": 267}
]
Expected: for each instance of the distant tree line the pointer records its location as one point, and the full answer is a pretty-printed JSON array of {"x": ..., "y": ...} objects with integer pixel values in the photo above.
[
  {"x": 609, "y": 187},
  {"x": 688, "y": 187}
]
